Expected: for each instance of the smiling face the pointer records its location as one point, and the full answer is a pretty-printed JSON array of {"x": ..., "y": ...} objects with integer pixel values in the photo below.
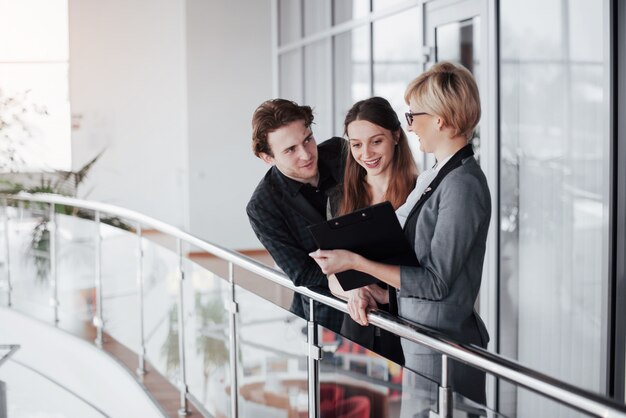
[
  {"x": 425, "y": 127},
  {"x": 294, "y": 152},
  {"x": 372, "y": 146}
]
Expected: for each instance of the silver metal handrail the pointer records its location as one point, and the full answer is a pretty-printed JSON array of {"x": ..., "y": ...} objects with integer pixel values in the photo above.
[{"x": 533, "y": 380}]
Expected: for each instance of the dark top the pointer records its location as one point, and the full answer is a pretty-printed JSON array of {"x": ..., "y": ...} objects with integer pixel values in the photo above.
[
  {"x": 316, "y": 196},
  {"x": 279, "y": 214}
]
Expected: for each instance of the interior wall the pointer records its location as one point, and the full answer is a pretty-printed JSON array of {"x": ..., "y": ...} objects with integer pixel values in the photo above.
[
  {"x": 128, "y": 97},
  {"x": 229, "y": 73}
]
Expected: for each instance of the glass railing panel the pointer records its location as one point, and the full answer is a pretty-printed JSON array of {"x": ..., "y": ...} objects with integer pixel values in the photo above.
[
  {"x": 464, "y": 407},
  {"x": 4, "y": 277},
  {"x": 75, "y": 270},
  {"x": 120, "y": 296},
  {"x": 518, "y": 402},
  {"x": 161, "y": 310},
  {"x": 266, "y": 289},
  {"x": 355, "y": 380},
  {"x": 29, "y": 255},
  {"x": 358, "y": 381},
  {"x": 273, "y": 374},
  {"x": 207, "y": 343},
  {"x": 422, "y": 377}
]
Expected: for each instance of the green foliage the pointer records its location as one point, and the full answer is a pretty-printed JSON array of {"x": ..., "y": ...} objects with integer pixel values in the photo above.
[
  {"x": 211, "y": 315},
  {"x": 63, "y": 183},
  {"x": 169, "y": 349},
  {"x": 17, "y": 125},
  {"x": 16, "y": 113}
]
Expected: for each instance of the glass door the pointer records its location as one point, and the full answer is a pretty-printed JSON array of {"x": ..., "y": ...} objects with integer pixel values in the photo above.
[
  {"x": 454, "y": 32},
  {"x": 460, "y": 31}
]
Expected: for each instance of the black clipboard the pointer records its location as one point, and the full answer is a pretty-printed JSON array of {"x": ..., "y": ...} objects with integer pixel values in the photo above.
[{"x": 373, "y": 232}]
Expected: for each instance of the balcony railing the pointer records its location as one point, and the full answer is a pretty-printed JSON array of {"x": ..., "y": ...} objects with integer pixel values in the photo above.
[{"x": 210, "y": 334}]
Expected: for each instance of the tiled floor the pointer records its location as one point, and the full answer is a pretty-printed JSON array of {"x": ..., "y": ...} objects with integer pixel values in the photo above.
[{"x": 164, "y": 393}]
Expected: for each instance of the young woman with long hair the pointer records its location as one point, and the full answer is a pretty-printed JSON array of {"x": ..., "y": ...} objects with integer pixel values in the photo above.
[{"x": 379, "y": 167}]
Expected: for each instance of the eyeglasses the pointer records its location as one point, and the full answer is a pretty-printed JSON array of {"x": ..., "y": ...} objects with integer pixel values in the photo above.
[{"x": 409, "y": 116}]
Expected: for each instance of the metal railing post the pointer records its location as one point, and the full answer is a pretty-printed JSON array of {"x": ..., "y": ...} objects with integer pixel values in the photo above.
[
  {"x": 141, "y": 368},
  {"x": 52, "y": 230},
  {"x": 315, "y": 355},
  {"x": 98, "y": 320},
  {"x": 3, "y": 387},
  {"x": 181, "y": 332},
  {"x": 3, "y": 400},
  {"x": 560, "y": 391},
  {"x": 20, "y": 212},
  {"x": 445, "y": 391},
  {"x": 7, "y": 252},
  {"x": 234, "y": 309}
]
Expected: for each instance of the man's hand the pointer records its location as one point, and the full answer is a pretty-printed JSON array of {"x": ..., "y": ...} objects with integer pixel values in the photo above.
[{"x": 335, "y": 261}]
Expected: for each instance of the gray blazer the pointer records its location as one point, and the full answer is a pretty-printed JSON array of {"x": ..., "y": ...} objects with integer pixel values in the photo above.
[
  {"x": 450, "y": 242},
  {"x": 450, "y": 237}
]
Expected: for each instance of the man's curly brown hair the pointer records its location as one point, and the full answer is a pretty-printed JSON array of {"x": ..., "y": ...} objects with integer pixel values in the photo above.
[{"x": 272, "y": 115}]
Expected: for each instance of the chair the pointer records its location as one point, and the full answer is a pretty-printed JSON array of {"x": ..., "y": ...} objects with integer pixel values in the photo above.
[
  {"x": 330, "y": 396},
  {"x": 354, "y": 407}
]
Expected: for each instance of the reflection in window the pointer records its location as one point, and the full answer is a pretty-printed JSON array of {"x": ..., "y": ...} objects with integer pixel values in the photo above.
[
  {"x": 290, "y": 70},
  {"x": 317, "y": 16},
  {"x": 397, "y": 59},
  {"x": 289, "y": 21},
  {"x": 34, "y": 69},
  {"x": 554, "y": 194},
  {"x": 317, "y": 73},
  {"x": 458, "y": 42},
  {"x": 345, "y": 10},
  {"x": 385, "y": 4},
  {"x": 352, "y": 72}
]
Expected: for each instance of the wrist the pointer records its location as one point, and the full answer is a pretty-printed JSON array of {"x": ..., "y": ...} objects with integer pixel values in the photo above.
[{"x": 356, "y": 261}]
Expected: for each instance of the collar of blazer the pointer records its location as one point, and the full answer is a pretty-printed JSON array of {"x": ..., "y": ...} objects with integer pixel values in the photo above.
[{"x": 455, "y": 162}]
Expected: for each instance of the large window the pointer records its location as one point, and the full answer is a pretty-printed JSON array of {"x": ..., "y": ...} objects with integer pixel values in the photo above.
[
  {"x": 34, "y": 92},
  {"x": 334, "y": 53},
  {"x": 550, "y": 152},
  {"x": 555, "y": 176},
  {"x": 352, "y": 72},
  {"x": 397, "y": 55}
]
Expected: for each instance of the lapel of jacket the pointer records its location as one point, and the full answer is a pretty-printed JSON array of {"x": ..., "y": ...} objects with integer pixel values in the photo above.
[{"x": 454, "y": 162}]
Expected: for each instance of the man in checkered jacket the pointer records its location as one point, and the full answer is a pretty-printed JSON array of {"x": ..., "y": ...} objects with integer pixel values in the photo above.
[{"x": 295, "y": 194}]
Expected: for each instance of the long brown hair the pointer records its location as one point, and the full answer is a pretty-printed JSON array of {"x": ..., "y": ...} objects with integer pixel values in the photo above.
[{"x": 403, "y": 169}]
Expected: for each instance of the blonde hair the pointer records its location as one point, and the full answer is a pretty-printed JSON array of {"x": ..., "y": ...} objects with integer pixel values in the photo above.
[{"x": 449, "y": 91}]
